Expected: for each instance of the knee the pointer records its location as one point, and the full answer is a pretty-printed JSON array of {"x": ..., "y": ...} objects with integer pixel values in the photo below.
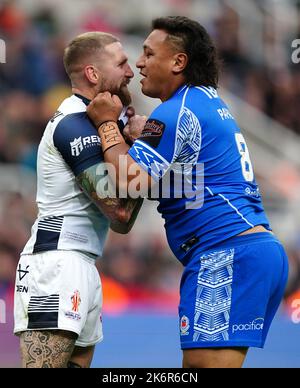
[
  {"x": 72, "y": 364},
  {"x": 214, "y": 358},
  {"x": 191, "y": 360}
]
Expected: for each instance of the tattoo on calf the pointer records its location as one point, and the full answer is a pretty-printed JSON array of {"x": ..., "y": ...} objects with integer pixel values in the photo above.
[{"x": 46, "y": 349}]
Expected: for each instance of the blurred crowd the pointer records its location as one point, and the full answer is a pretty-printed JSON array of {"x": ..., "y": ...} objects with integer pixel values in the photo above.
[
  {"x": 272, "y": 85},
  {"x": 33, "y": 82}
]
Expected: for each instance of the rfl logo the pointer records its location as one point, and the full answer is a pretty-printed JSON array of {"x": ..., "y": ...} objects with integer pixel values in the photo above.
[{"x": 76, "y": 300}]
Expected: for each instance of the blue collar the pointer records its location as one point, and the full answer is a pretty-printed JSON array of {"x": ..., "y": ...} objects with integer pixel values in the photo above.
[{"x": 85, "y": 100}]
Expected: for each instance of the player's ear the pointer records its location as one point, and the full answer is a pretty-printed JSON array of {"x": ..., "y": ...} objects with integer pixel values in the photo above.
[
  {"x": 180, "y": 62},
  {"x": 92, "y": 74}
]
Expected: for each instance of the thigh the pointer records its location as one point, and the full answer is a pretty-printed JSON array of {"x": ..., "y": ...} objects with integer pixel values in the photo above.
[
  {"x": 214, "y": 358},
  {"x": 46, "y": 349}
]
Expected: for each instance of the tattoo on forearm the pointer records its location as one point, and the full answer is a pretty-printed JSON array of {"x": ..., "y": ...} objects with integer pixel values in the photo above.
[
  {"x": 91, "y": 183},
  {"x": 88, "y": 180},
  {"x": 46, "y": 349},
  {"x": 110, "y": 135}
]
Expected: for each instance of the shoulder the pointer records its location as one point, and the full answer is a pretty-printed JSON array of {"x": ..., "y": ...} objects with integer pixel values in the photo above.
[
  {"x": 71, "y": 105},
  {"x": 71, "y": 119},
  {"x": 74, "y": 120},
  {"x": 171, "y": 108},
  {"x": 72, "y": 126},
  {"x": 188, "y": 97},
  {"x": 204, "y": 92},
  {"x": 72, "y": 111},
  {"x": 202, "y": 99}
]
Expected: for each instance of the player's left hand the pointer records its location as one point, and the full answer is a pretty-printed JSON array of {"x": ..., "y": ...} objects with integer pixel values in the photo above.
[
  {"x": 134, "y": 128},
  {"x": 104, "y": 107}
]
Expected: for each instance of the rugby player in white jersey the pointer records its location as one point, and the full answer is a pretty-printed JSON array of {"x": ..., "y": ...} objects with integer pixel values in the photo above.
[{"x": 58, "y": 295}]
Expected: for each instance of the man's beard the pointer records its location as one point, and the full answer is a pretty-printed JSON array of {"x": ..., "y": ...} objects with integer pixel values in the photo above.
[
  {"x": 122, "y": 92},
  {"x": 124, "y": 95}
]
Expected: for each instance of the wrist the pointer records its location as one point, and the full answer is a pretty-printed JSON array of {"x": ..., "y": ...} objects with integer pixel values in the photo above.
[
  {"x": 110, "y": 135},
  {"x": 104, "y": 122}
]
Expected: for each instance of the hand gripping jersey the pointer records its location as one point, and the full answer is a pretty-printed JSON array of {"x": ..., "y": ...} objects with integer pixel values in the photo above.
[
  {"x": 194, "y": 129},
  {"x": 67, "y": 219}
]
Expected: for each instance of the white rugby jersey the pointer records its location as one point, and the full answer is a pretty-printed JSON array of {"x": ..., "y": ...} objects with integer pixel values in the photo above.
[{"x": 67, "y": 219}]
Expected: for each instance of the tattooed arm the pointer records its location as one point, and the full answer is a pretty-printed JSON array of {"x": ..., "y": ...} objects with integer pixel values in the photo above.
[{"x": 96, "y": 184}]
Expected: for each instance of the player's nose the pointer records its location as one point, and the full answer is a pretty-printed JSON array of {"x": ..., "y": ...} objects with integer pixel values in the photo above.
[
  {"x": 140, "y": 62},
  {"x": 129, "y": 72}
]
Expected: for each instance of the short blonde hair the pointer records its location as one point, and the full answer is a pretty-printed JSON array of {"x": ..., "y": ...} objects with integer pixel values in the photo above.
[{"x": 83, "y": 47}]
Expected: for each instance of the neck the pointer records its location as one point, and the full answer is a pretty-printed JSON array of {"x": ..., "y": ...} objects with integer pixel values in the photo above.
[
  {"x": 87, "y": 93},
  {"x": 172, "y": 89}
]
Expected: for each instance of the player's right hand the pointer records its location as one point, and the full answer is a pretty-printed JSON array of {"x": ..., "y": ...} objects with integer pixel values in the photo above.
[
  {"x": 104, "y": 107},
  {"x": 130, "y": 112}
]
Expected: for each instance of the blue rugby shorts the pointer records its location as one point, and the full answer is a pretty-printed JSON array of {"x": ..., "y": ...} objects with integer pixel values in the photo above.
[{"x": 230, "y": 294}]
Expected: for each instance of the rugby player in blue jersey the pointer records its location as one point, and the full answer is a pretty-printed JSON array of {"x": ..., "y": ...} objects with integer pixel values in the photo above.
[{"x": 235, "y": 269}]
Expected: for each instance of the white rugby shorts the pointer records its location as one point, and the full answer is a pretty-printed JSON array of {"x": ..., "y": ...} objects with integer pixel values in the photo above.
[{"x": 59, "y": 290}]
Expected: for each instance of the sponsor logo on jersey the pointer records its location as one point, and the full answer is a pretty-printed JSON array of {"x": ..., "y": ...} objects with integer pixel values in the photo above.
[
  {"x": 184, "y": 325},
  {"x": 256, "y": 325},
  {"x": 22, "y": 289},
  {"x": 22, "y": 272},
  {"x": 254, "y": 193},
  {"x": 152, "y": 132},
  {"x": 78, "y": 145}
]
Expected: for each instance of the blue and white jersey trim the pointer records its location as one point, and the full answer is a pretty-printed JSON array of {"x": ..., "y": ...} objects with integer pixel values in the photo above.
[{"x": 148, "y": 158}]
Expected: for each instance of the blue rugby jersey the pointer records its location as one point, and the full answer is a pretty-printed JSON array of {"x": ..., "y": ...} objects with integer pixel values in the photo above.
[{"x": 195, "y": 128}]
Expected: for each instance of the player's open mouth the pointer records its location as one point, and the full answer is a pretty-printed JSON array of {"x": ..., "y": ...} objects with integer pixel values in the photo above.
[{"x": 143, "y": 79}]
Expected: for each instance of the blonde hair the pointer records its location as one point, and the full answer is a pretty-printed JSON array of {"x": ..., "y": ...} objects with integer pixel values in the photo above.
[{"x": 83, "y": 47}]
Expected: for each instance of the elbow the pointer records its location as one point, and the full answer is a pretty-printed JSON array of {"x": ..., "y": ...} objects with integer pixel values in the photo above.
[
  {"x": 120, "y": 228},
  {"x": 123, "y": 216},
  {"x": 121, "y": 223}
]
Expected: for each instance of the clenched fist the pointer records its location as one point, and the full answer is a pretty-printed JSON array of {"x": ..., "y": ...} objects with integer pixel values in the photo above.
[
  {"x": 134, "y": 128},
  {"x": 104, "y": 107}
]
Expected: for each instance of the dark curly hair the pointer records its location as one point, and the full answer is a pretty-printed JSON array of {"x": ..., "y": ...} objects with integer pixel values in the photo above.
[{"x": 190, "y": 37}]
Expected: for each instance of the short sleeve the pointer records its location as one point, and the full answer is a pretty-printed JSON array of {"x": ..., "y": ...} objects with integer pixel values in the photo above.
[
  {"x": 77, "y": 140},
  {"x": 162, "y": 140}
]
